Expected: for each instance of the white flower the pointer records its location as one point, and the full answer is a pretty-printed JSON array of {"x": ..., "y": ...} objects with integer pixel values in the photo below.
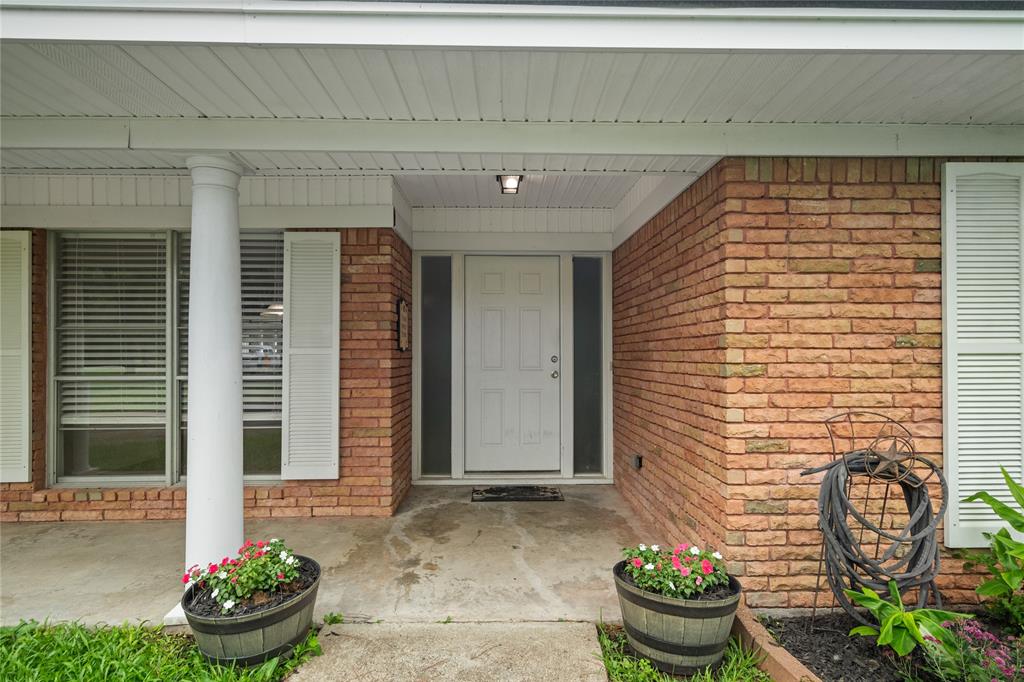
[
  {"x": 642, "y": 547},
  {"x": 222, "y": 575},
  {"x": 283, "y": 555},
  {"x": 229, "y": 604},
  {"x": 216, "y": 592},
  {"x": 273, "y": 539},
  {"x": 717, "y": 555},
  {"x": 649, "y": 567},
  {"x": 694, "y": 551},
  {"x": 290, "y": 560},
  {"x": 655, "y": 548},
  {"x": 671, "y": 585}
]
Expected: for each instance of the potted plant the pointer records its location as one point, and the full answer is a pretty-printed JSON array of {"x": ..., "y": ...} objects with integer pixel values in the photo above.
[
  {"x": 677, "y": 605},
  {"x": 253, "y": 607}
]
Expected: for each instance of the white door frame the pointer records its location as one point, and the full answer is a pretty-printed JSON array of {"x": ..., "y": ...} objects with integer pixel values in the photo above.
[{"x": 459, "y": 475}]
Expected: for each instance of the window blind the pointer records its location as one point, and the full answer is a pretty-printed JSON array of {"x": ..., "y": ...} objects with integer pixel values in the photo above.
[
  {"x": 111, "y": 329},
  {"x": 262, "y": 327}
]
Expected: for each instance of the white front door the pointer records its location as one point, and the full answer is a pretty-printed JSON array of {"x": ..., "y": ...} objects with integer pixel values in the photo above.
[{"x": 512, "y": 364}]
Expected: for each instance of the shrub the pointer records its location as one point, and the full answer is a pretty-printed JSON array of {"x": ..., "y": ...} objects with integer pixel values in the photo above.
[
  {"x": 262, "y": 566},
  {"x": 1005, "y": 561},
  {"x": 972, "y": 654},
  {"x": 683, "y": 573},
  {"x": 898, "y": 628}
]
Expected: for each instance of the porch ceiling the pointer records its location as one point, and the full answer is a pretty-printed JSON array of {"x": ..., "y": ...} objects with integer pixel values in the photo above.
[{"x": 229, "y": 81}]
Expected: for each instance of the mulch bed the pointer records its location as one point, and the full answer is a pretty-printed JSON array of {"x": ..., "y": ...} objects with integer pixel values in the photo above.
[
  {"x": 828, "y": 649},
  {"x": 203, "y": 604}
]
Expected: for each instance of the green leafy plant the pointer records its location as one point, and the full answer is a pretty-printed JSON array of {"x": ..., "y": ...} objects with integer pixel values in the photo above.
[
  {"x": 684, "y": 572},
  {"x": 71, "y": 652},
  {"x": 333, "y": 618},
  {"x": 738, "y": 665},
  {"x": 974, "y": 654},
  {"x": 263, "y": 566},
  {"x": 899, "y": 628},
  {"x": 1005, "y": 562}
]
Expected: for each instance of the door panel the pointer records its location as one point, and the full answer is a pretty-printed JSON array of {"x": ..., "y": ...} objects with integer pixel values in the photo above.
[{"x": 512, "y": 366}]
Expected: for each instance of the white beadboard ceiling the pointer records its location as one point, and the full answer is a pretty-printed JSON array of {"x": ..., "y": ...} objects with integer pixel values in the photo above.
[{"x": 67, "y": 79}]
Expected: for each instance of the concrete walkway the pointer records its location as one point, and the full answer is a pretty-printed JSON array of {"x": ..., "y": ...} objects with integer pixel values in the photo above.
[
  {"x": 441, "y": 556},
  {"x": 467, "y": 652}
]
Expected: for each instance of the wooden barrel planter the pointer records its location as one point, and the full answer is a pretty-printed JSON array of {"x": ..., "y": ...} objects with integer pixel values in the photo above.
[
  {"x": 679, "y": 636},
  {"x": 254, "y": 638}
]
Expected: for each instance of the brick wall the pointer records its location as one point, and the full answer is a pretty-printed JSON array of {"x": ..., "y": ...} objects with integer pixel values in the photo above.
[
  {"x": 669, "y": 293},
  {"x": 824, "y": 293},
  {"x": 840, "y": 310},
  {"x": 376, "y": 423}
]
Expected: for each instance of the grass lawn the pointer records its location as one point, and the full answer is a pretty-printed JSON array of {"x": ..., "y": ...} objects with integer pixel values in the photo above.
[
  {"x": 68, "y": 651},
  {"x": 740, "y": 665}
]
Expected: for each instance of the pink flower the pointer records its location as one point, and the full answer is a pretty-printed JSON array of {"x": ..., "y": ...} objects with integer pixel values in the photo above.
[
  {"x": 685, "y": 570},
  {"x": 638, "y": 562},
  {"x": 280, "y": 576},
  {"x": 699, "y": 580},
  {"x": 707, "y": 567},
  {"x": 676, "y": 563},
  {"x": 184, "y": 578},
  {"x": 681, "y": 548}
]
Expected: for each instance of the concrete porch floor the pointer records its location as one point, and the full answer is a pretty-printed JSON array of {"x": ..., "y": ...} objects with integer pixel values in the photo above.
[{"x": 441, "y": 556}]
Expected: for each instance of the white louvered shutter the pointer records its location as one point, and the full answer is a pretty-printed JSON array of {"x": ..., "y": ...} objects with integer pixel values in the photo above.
[
  {"x": 312, "y": 314},
  {"x": 15, "y": 356},
  {"x": 983, "y": 340}
]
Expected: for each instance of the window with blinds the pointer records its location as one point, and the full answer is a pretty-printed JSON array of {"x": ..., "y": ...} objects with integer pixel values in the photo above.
[
  {"x": 121, "y": 361},
  {"x": 262, "y": 342},
  {"x": 111, "y": 331}
]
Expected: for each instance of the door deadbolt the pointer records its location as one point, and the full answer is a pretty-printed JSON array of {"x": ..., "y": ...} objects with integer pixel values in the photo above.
[{"x": 554, "y": 358}]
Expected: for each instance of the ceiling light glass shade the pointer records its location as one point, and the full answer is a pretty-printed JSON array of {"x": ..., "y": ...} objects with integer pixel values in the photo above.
[{"x": 509, "y": 183}]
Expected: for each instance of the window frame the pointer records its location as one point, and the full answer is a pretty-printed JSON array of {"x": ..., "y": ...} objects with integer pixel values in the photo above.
[{"x": 172, "y": 475}]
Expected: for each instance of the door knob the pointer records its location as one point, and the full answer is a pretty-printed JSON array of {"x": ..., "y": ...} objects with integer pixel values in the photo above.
[{"x": 554, "y": 375}]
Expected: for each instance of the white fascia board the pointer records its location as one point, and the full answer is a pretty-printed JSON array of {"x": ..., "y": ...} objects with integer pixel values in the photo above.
[
  {"x": 711, "y": 139},
  {"x": 670, "y": 187},
  {"x": 180, "y": 217},
  {"x": 403, "y": 213},
  {"x": 504, "y": 242},
  {"x": 262, "y": 22}
]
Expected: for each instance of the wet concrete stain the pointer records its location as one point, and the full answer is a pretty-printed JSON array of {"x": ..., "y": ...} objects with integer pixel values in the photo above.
[{"x": 408, "y": 579}]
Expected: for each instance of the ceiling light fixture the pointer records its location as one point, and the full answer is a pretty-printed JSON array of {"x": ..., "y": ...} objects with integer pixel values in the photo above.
[{"x": 509, "y": 183}]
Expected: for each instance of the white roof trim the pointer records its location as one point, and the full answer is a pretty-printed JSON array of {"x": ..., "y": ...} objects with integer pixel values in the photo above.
[
  {"x": 261, "y": 22},
  {"x": 709, "y": 139},
  {"x": 644, "y": 201}
]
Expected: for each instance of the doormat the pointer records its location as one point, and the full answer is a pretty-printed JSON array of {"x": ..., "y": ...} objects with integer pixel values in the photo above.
[{"x": 517, "y": 493}]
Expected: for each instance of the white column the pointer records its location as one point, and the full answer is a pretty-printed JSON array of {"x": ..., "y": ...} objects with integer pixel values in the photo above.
[{"x": 213, "y": 524}]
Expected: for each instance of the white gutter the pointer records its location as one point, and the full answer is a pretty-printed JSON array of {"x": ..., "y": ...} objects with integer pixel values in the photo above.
[{"x": 265, "y": 22}]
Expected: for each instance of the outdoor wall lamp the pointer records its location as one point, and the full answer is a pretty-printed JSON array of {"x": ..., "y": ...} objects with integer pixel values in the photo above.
[{"x": 509, "y": 183}]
